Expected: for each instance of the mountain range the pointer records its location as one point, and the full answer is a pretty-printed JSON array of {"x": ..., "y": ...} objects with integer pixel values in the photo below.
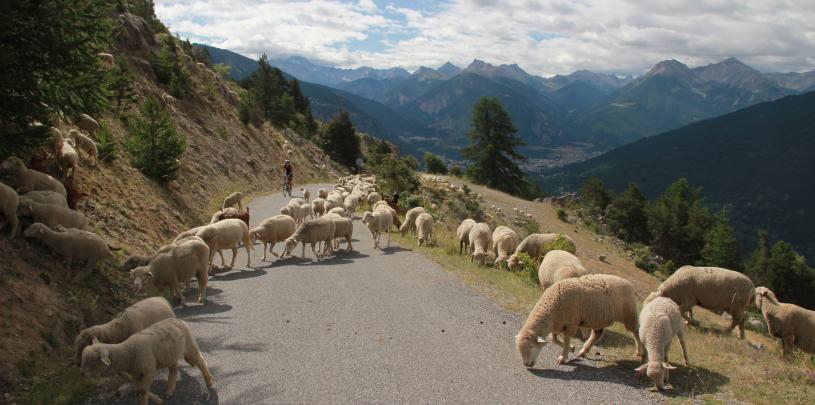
[{"x": 757, "y": 161}]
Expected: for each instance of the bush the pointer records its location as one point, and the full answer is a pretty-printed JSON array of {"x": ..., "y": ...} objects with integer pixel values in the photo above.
[
  {"x": 527, "y": 269},
  {"x": 455, "y": 170},
  {"x": 433, "y": 164},
  {"x": 153, "y": 144},
  {"x": 560, "y": 243},
  {"x": 562, "y": 215},
  {"x": 106, "y": 148},
  {"x": 409, "y": 201},
  {"x": 529, "y": 226},
  {"x": 168, "y": 70}
]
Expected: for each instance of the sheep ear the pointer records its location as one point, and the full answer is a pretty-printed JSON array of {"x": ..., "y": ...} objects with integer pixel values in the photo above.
[
  {"x": 105, "y": 358},
  {"x": 95, "y": 340},
  {"x": 641, "y": 369},
  {"x": 149, "y": 273},
  {"x": 541, "y": 340},
  {"x": 668, "y": 366}
]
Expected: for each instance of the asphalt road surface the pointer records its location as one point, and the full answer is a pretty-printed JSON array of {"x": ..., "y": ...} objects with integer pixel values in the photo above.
[{"x": 368, "y": 326}]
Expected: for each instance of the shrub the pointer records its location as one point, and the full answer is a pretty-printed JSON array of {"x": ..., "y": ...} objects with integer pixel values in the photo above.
[
  {"x": 560, "y": 243},
  {"x": 527, "y": 269},
  {"x": 433, "y": 164},
  {"x": 529, "y": 226},
  {"x": 562, "y": 215},
  {"x": 106, "y": 148},
  {"x": 409, "y": 201},
  {"x": 153, "y": 144},
  {"x": 455, "y": 170}
]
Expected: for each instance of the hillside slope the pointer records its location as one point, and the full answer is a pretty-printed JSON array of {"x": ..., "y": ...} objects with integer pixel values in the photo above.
[
  {"x": 43, "y": 309},
  {"x": 759, "y": 161}
]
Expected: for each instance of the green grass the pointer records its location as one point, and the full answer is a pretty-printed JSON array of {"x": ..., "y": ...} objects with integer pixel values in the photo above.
[{"x": 66, "y": 387}]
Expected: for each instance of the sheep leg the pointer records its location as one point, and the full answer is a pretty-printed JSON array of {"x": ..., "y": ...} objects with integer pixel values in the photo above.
[
  {"x": 172, "y": 378},
  {"x": 223, "y": 262},
  {"x": 197, "y": 360},
  {"x": 787, "y": 346},
  {"x": 143, "y": 388},
  {"x": 317, "y": 255},
  {"x": 348, "y": 238},
  {"x": 179, "y": 293},
  {"x": 202, "y": 286},
  {"x": 389, "y": 237},
  {"x": 567, "y": 338},
  {"x": 264, "y": 251},
  {"x": 271, "y": 250},
  {"x": 596, "y": 334},
  {"x": 304, "y": 250},
  {"x": 84, "y": 272}
]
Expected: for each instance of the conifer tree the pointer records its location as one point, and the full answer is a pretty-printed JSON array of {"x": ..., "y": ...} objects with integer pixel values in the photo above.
[
  {"x": 628, "y": 215},
  {"x": 154, "y": 144},
  {"x": 721, "y": 248},
  {"x": 340, "y": 140},
  {"x": 301, "y": 103},
  {"x": 678, "y": 223}
]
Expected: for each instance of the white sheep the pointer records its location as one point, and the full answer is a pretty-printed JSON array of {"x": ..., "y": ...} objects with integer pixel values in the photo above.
[
  {"x": 51, "y": 215},
  {"x": 9, "y": 200},
  {"x": 334, "y": 200},
  {"x": 320, "y": 230},
  {"x": 26, "y": 179},
  {"x": 139, "y": 358},
  {"x": 85, "y": 144},
  {"x": 594, "y": 301},
  {"x": 86, "y": 123},
  {"x": 410, "y": 221},
  {"x": 227, "y": 234},
  {"x": 293, "y": 210},
  {"x": 272, "y": 230},
  {"x": 373, "y": 198},
  {"x": 504, "y": 242},
  {"x": 174, "y": 268},
  {"x": 306, "y": 194},
  {"x": 232, "y": 199},
  {"x": 132, "y": 320},
  {"x": 67, "y": 158},
  {"x": 479, "y": 238},
  {"x": 660, "y": 321},
  {"x": 463, "y": 233},
  {"x": 713, "y": 288},
  {"x": 535, "y": 245},
  {"x": 383, "y": 206},
  {"x": 72, "y": 244},
  {"x": 793, "y": 325},
  {"x": 188, "y": 233},
  {"x": 318, "y": 207},
  {"x": 339, "y": 211},
  {"x": 306, "y": 212},
  {"x": 46, "y": 197},
  {"x": 378, "y": 222},
  {"x": 559, "y": 265},
  {"x": 351, "y": 203},
  {"x": 343, "y": 228},
  {"x": 424, "y": 228}
]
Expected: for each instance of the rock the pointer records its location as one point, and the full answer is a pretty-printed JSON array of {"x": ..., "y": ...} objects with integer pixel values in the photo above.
[{"x": 135, "y": 36}]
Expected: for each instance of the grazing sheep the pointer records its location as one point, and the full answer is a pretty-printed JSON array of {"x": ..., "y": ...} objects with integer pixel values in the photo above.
[
  {"x": 313, "y": 232},
  {"x": 373, "y": 198},
  {"x": 272, "y": 230},
  {"x": 306, "y": 194},
  {"x": 559, "y": 265},
  {"x": 394, "y": 216},
  {"x": 318, "y": 206},
  {"x": 793, "y": 325},
  {"x": 463, "y": 233},
  {"x": 535, "y": 246},
  {"x": 660, "y": 321},
  {"x": 504, "y": 242},
  {"x": 86, "y": 123},
  {"x": 67, "y": 158},
  {"x": 129, "y": 322},
  {"x": 85, "y": 144},
  {"x": 351, "y": 203},
  {"x": 8, "y": 207},
  {"x": 188, "y": 233},
  {"x": 139, "y": 358},
  {"x": 45, "y": 197},
  {"x": 343, "y": 228},
  {"x": 594, "y": 301},
  {"x": 72, "y": 244},
  {"x": 321, "y": 193},
  {"x": 479, "y": 238},
  {"x": 410, "y": 221},
  {"x": 227, "y": 234},
  {"x": 713, "y": 288},
  {"x": 26, "y": 179},
  {"x": 51, "y": 215},
  {"x": 424, "y": 228},
  {"x": 172, "y": 269},
  {"x": 232, "y": 199},
  {"x": 378, "y": 222}
]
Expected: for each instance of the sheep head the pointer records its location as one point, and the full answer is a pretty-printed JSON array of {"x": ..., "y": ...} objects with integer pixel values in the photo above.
[
  {"x": 480, "y": 257},
  {"x": 142, "y": 275},
  {"x": 367, "y": 217},
  {"x": 513, "y": 262},
  {"x": 291, "y": 243},
  {"x": 764, "y": 296},
  {"x": 529, "y": 344},
  {"x": 657, "y": 371},
  {"x": 35, "y": 231},
  {"x": 95, "y": 360}
]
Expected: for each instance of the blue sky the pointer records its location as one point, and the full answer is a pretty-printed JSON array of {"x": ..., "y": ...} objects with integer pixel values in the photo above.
[{"x": 544, "y": 37}]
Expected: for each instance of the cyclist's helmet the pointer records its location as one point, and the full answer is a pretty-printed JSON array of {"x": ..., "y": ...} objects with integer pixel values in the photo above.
[{"x": 287, "y": 161}]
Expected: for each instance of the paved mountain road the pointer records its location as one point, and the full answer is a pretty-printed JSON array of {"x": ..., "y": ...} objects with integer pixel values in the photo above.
[{"x": 368, "y": 327}]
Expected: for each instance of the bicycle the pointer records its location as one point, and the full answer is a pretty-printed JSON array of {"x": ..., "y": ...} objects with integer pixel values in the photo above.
[{"x": 287, "y": 185}]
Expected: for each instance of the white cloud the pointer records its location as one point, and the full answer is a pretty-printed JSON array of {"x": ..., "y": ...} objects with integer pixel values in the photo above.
[{"x": 544, "y": 37}]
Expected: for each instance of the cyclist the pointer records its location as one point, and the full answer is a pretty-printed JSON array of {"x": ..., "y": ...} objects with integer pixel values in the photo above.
[{"x": 288, "y": 174}]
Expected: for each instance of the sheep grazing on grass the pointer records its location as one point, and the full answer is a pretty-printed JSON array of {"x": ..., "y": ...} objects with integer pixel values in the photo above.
[
  {"x": 141, "y": 356},
  {"x": 480, "y": 238},
  {"x": 559, "y": 265},
  {"x": 536, "y": 245},
  {"x": 26, "y": 179},
  {"x": 232, "y": 199},
  {"x": 51, "y": 215},
  {"x": 424, "y": 228},
  {"x": 320, "y": 230},
  {"x": 504, "y": 242},
  {"x": 227, "y": 234},
  {"x": 172, "y": 269},
  {"x": 306, "y": 194},
  {"x": 318, "y": 207},
  {"x": 793, "y": 325},
  {"x": 273, "y": 230},
  {"x": 86, "y": 123},
  {"x": 132, "y": 320},
  {"x": 463, "y": 233},
  {"x": 410, "y": 221},
  {"x": 8, "y": 207},
  {"x": 594, "y": 301},
  {"x": 378, "y": 222},
  {"x": 72, "y": 244},
  {"x": 46, "y": 197},
  {"x": 85, "y": 144},
  {"x": 660, "y": 321},
  {"x": 713, "y": 288}
]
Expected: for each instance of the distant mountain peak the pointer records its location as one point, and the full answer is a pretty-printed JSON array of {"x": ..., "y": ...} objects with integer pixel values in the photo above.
[
  {"x": 448, "y": 69},
  {"x": 670, "y": 67}
]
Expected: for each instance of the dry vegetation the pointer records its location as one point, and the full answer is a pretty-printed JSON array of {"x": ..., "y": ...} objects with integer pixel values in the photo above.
[{"x": 723, "y": 368}]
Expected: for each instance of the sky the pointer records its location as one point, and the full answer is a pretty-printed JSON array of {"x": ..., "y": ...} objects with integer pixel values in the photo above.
[{"x": 545, "y": 37}]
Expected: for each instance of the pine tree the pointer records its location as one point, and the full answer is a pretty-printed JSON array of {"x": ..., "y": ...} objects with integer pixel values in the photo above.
[
  {"x": 310, "y": 123},
  {"x": 757, "y": 266},
  {"x": 49, "y": 63},
  {"x": 340, "y": 140},
  {"x": 120, "y": 83},
  {"x": 678, "y": 223},
  {"x": 628, "y": 215},
  {"x": 721, "y": 248},
  {"x": 793, "y": 279},
  {"x": 595, "y": 194},
  {"x": 153, "y": 144},
  {"x": 433, "y": 164},
  {"x": 493, "y": 147},
  {"x": 301, "y": 103}
]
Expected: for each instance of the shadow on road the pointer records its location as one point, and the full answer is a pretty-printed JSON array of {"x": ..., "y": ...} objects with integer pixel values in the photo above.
[
  {"x": 389, "y": 250},
  {"x": 221, "y": 320},
  {"x": 238, "y": 274},
  {"x": 189, "y": 389},
  {"x": 684, "y": 381},
  {"x": 208, "y": 307},
  {"x": 224, "y": 343},
  {"x": 581, "y": 370}
]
